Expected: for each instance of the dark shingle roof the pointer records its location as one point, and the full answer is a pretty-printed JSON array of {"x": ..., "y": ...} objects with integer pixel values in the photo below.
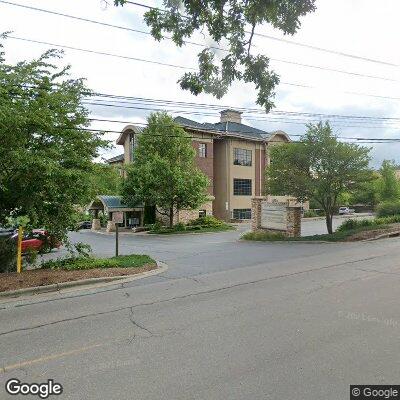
[{"x": 225, "y": 127}]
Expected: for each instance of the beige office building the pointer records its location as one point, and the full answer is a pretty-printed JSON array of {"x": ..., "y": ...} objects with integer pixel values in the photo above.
[{"x": 234, "y": 157}]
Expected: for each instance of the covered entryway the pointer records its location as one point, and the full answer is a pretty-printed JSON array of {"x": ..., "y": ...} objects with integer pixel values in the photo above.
[{"x": 133, "y": 216}]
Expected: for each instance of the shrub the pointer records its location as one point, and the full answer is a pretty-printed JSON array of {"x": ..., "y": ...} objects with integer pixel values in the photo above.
[
  {"x": 8, "y": 255},
  {"x": 264, "y": 236},
  {"x": 208, "y": 221},
  {"x": 180, "y": 226},
  {"x": 310, "y": 214},
  {"x": 388, "y": 208},
  {"x": 79, "y": 263},
  {"x": 351, "y": 224}
]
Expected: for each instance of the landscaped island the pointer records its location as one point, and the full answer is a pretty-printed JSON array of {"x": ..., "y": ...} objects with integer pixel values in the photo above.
[
  {"x": 350, "y": 231},
  {"x": 76, "y": 268}
]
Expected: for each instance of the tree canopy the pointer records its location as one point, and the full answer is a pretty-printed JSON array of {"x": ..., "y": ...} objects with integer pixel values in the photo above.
[
  {"x": 46, "y": 150},
  {"x": 388, "y": 184},
  {"x": 318, "y": 167},
  {"x": 232, "y": 25},
  {"x": 163, "y": 172}
]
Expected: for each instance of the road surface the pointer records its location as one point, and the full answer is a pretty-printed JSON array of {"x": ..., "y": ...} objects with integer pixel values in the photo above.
[{"x": 228, "y": 320}]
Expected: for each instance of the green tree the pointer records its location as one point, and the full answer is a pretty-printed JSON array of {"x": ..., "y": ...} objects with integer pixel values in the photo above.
[
  {"x": 163, "y": 172},
  {"x": 232, "y": 25},
  {"x": 318, "y": 167},
  {"x": 368, "y": 192},
  {"x": 389, "y": 188},
  {"x": 105, "y": 179},
  {"x": 46, "y": 151}
]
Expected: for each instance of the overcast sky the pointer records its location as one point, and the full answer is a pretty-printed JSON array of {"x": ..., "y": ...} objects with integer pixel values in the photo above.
[{"x": 358, "y": 27}]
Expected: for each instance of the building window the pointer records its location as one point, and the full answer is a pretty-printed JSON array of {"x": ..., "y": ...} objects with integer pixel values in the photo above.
[
  {"x": 203, "y": 150},
  {"x": 242, "y": 213},
  {"x": 242, "y": 157},
  {"x": 132, "y": 145},
  {"x": 242, "y": 187},
  {"x": 202, "y": 213}
]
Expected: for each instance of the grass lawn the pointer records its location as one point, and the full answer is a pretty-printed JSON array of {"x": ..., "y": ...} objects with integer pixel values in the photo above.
[
  {"x": 193, "y": 229},
  {"x": 79, "y": 263},
  {"x": 76, "y": 268},
  {"x": 340, "y": 236}
]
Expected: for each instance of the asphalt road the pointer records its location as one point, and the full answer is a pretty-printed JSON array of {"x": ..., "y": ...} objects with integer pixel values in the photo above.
[{"x": 228, "y": 320}]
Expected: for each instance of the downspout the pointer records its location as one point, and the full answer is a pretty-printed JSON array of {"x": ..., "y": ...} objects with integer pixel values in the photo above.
[{"x": 228, "y": 178}]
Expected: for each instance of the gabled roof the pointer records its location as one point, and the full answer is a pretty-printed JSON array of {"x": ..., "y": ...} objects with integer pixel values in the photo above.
[
  {"x": 116, "y": 159},
  {"x": 226, "y": 128}
]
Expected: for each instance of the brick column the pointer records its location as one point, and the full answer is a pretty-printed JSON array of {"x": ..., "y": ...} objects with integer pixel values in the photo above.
[
  {"x": 294, "y": 221},
  {"x": 256, "y": 213}
]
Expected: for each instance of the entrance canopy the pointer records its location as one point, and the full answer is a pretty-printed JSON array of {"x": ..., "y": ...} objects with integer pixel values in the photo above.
[{"x": 109, "y": 204}]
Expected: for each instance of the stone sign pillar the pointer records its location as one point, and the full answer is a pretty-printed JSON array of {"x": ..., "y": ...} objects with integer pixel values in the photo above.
[
  {"x": 96, "y": 225},
  {"x": 275, "y": 217}
]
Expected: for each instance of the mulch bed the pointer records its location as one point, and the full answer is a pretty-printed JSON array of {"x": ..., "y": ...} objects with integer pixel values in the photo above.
[
  {"x": 371, "y": 234},
  {"x": 43, "y": 277}
]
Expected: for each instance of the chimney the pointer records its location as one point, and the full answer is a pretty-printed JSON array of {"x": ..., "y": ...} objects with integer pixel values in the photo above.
[{"x": 231, "y": 116}]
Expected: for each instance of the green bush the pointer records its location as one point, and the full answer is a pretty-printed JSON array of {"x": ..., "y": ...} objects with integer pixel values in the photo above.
[
  {"x": 351, "y": 224},
  {"x": 82, "y": 262},
  {"x": 180, "y": 226},
  {"x": 208, "y": 221},
  {"x": 264, "y": 236},
  {"x": 388, "y": 220},
  {"x": 388, "y": 208},
  {"x": 310, "y": 214},
  {"x": 8, "y": 255}
]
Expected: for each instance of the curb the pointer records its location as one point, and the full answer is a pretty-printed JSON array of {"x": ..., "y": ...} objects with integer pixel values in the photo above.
[
  {"x": 349, "y": 216},
  {"x": 383, "y": 236},
  {"x": 91, "y": 282}
]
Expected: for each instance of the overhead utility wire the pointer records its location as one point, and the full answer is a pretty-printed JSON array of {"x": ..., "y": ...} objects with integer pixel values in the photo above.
[
  {"x": 275, "y": 112},
  {"x": 359, "y": 124},
  {"x": 294, "y": 43},
  {"x": 339, "y": 53},
  {"x": 182, "y": 106},
  {"x": 191, "y": 68},
  {"x": 295, "y": 135},
  {"x": 217, "y": 107},
  {"x": 278, "y": 120}
]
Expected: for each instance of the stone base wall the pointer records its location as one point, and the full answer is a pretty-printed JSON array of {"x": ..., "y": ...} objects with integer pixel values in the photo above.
[
  {"x": 96, "y": 225},
  {"x": 184, "y": 216},
  {"x": 110, "y": 226},
  {"x": 293, "y": 228}
]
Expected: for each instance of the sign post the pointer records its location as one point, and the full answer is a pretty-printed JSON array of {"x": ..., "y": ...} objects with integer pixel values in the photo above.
[
  {"x": 19, "y": 249},
  {"x": 118, "y": 218}
]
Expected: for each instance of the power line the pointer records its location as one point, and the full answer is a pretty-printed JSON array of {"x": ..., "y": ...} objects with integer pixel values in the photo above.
[
  {"x": 255, "y": 110},
  {"x": 199, "y": 44},
  {"x": 291, "y": 42},
  {"x": 141, "y": 124},
  {"x": 100, "y": 53},
  {"x": 248, "y": 117},
  {"x": 215, "y": 107},
  {"x": 191, "y": 68},
  {"x": 295, "y": 135}
]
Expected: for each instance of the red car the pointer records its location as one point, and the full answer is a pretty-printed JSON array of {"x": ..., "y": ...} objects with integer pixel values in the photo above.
[{"x": 37, "y": 240}]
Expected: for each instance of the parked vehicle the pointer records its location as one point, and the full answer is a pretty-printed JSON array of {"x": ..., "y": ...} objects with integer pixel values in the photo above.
[
  {"x": 345, "y": 210},
  {"x": 85, "y": 225},
  {"x": 37, "y": 240},
  {"x": 6, "y": 232}
]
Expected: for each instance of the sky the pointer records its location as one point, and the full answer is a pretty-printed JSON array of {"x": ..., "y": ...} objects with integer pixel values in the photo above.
[{"x": 356, "y": 27}]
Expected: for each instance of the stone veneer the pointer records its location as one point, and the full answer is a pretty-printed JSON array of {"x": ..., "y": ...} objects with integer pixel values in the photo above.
[
  {"x": 185, "y": 216},
  {"x": 293, "y": 217}
]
